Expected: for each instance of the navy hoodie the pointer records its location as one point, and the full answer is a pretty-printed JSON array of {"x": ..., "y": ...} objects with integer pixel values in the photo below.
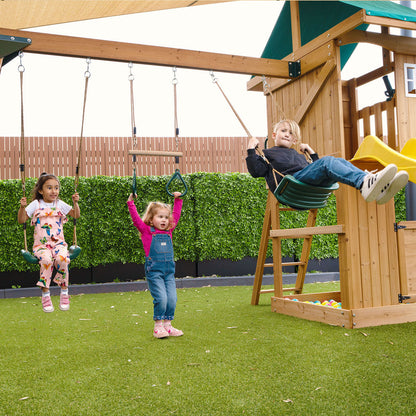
[{"x": 284, "y": 160}]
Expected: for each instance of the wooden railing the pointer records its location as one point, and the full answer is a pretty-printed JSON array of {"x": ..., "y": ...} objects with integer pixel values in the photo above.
[
  {"x": 109, "y": 155},
  {"x": 379, "y": 120}
]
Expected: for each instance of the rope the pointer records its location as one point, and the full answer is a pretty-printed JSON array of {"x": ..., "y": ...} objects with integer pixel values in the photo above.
[
  {"x": 215, "y": 81},
  {"x": 267, "y": 91},
  {"x": 21, "y": 70},
  {"x": 175, "y": 113},
  {"x": 133, "y": 127},
  {"x": 87, "y": 75}
]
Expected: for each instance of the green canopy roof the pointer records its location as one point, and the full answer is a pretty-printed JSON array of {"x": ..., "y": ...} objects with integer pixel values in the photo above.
[{"x": 316, "y": 17}]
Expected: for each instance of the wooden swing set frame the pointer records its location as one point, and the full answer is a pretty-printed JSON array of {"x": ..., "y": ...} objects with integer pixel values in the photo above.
[{"x": 317, "y": 61}]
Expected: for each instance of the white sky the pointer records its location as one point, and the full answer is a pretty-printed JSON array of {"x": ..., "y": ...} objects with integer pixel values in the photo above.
[{"x": 54, "y": 86}]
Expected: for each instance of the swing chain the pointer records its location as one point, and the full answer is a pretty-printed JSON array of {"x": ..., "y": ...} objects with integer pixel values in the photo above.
[
  {"x": 87, "y": 73},
  {"x": 133, "y": 122},
  {"x": 131, "y": 76},
  {"x": 174, "y": 80},
  {"x": 21, "y": 67},
  {"x": 266, "y": 85},
  {"x": 175, "y": 111},
  {"x": 214, "y": 78}
]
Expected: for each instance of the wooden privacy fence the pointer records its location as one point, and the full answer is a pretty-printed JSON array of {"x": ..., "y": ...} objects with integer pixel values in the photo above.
[{"x": 109, "y": 155}]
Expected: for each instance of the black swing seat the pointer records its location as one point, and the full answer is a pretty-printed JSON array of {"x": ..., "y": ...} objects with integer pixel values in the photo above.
[
  {"x": 74, "y": 252},
  {"x": 301, "y": 196}
]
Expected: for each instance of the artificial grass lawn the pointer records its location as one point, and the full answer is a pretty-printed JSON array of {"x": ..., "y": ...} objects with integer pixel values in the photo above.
[{"x": 235, "y": 359}]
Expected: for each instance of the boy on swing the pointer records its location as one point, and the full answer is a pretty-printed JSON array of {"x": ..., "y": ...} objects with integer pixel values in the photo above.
[{"x": 283, "y": 158}]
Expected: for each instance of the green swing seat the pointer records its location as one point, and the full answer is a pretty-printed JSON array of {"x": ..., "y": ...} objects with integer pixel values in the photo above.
[
  {"x": 73, "y": 251},
  {"x": 301, "y": 196}
]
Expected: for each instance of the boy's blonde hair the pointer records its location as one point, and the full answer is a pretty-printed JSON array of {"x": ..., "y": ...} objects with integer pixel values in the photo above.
[
  {"x": 152, "y": 209},
  {"x": 294, "y": 127}
]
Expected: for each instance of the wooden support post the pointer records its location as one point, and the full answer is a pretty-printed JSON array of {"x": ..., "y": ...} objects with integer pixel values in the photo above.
[
  {"x": 258, "y": 277},
  {"x": 295, "y": 21}
]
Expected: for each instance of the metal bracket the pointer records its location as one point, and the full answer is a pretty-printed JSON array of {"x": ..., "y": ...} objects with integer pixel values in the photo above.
[
  {"x": 402, "y": 298},
  {"x": 294, "y": 69},
  {"x": 11, "y": 45},
  {"x": 398, "y": 227}
]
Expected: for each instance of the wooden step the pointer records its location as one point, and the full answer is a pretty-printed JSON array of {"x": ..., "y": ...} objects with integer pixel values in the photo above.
[
  {"x": 289, "y": 289},
  {"x": 307, "y": 231},
  {"x": 267, "y": 291},
  {"x": 293, "y": 263}
]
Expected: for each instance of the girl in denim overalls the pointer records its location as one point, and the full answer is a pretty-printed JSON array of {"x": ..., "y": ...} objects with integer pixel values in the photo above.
[
  {"x": 48, "y": 215},
  {"x": 156, "y": 233}
]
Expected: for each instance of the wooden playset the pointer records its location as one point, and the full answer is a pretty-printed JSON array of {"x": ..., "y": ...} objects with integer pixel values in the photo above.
[
  {"x": 376, "y": 261},
  {"x": 376, "y": 255}
]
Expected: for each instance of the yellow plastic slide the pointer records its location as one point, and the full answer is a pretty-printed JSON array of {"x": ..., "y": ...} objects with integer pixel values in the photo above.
[{"x": 374, "y": 149}]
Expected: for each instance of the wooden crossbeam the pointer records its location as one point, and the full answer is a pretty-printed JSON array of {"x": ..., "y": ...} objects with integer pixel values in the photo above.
[
  {"x": 78, "y": 47},
  {"x": 154, "y": 153},
  {"x": 395, "y": 43}
]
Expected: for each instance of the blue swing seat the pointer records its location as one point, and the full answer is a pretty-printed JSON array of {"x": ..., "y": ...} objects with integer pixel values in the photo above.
[{"x": 301, "y": 196}]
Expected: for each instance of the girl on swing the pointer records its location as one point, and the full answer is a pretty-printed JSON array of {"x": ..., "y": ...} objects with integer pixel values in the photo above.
[
  {"x": 48, "y": 214},
  {"x": 380, "y": 186},
  {"x": 156, "y": 233}
]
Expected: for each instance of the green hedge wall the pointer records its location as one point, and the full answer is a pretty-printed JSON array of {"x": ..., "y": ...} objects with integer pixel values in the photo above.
[{"x": 222, "y": 218}]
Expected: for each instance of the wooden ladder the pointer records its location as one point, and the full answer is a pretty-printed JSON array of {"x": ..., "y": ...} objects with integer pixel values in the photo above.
[{"x": 271, "y": 230}]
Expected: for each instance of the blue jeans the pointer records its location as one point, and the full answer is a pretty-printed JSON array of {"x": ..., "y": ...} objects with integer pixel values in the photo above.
[
  {"x": 160, "y": 275},
  {"x": 329, "y": 170}
]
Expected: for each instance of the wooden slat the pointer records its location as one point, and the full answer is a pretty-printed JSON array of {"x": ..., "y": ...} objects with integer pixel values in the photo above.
[
  {"x": 373, "y": 242},
  {"x": 393, "y": 253},
  {"x": 363, "y": 293},
  {"x": 383, "y": 253},
  {"x": 378, "y": 120},
  {"x": 309, "y": 98}
]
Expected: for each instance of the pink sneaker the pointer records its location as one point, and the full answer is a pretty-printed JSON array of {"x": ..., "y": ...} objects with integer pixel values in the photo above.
[
  {"x": 64, "y": 302},
  {"x": 47, "y": 304},
  {"x": 160, "y": 332},
  {"x": 173, "y": 332}
]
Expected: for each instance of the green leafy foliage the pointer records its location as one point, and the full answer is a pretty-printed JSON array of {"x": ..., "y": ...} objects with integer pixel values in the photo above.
[
  {"x": 400, "y": 205},
  {"x": 222, "y": 218}
]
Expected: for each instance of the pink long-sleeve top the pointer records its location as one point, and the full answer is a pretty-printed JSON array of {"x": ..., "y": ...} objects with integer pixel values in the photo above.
[{"x": 144, "y": 229}]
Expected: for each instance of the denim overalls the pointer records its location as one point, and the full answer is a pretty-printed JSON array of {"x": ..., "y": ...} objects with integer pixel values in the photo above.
[{"x": 160, "y": 275}]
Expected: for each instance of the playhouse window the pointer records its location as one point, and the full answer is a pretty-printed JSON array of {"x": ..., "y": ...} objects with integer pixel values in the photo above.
[{"x": 410, "y": 79}]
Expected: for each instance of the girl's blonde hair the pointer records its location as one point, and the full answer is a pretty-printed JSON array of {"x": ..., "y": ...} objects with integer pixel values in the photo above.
[
  {"x": 152, "y": 209},
  {"x": 39, "y": 185},
  {"x": 294, "y": 127}
]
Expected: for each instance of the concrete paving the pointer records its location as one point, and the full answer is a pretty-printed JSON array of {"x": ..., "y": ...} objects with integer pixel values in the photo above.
[{"x": 139, "y": 285}]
